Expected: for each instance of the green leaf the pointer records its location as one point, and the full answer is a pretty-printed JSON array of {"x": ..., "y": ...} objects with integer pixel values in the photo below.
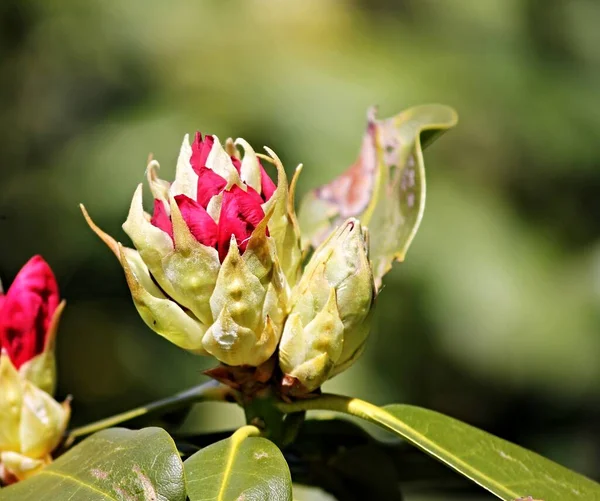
[
  {"x": 506, "y": 470},
  {"x": 503, "y": 468},
  {"x": 343, "y": 459},
  {"x": 384, "y": 188},
  {"x": 115, "y": 464},
  {"x": 240, "y": 467}
]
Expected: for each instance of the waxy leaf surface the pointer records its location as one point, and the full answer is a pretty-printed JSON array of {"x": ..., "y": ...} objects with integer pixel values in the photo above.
[
  {"x": 240, "y": 467},
  {"x": 112, "y": 465},
  {"x": 505, "y": 469}
]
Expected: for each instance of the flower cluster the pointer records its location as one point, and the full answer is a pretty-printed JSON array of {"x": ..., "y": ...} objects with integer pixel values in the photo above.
[
  {"x": 217, "y": 267},
  {"x": 32, "y": 423}
]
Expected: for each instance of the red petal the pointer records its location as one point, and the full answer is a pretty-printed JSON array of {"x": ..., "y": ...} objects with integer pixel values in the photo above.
[
  {"x": 267, "y": 186},
  {"x": 237, "y": 163},
  {"x": 241, "y": 212},
  {"x": 27, "y": 311},
  {"x": 161, "y": 219},
  {"x": 209, "y": 185},
  {"x": 2, "y": 297},
  {"x": 200, "y": 151},
  {"x": 199, "y": 222}
]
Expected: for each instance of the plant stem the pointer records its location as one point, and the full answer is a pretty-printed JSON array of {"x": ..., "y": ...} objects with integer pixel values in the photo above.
[
  {"x": 211, "y": 391},
  {"x": 244, "y": 432},
  {"x": 347, "y": 405},
  {"x": 291, "y": 427}
]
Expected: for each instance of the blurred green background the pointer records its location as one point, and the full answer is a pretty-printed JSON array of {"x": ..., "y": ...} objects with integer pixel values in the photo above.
[{"x": 494, "y": 316}]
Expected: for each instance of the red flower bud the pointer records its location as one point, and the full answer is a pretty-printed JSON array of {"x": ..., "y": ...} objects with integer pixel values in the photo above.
[
  {"x": 26, "y": 311},
  {"x": 214, "y": 266},
  {"x": 240, "y": 209}
]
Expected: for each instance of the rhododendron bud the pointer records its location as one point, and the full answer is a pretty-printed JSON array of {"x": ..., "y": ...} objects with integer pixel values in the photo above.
[
  {"x": 31, "y": 421},
  {"x": 214, "y": 264},
  {"x": 29, "y": 315},
  {"x": 32, "y": 424},
  {"x": 329, "y": 321}
]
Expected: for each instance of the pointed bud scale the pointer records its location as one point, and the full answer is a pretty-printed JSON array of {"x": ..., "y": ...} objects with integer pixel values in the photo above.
[
  {"x": 308, "y": 352},
  {"x": 250, "y": 167},
  {"x": 158, "y": 187},
  {"x": 159, "y": 312},
  {"x": 214, "y": 265},
  {"x": 329, "y": 320},
  {"x": 283, "y": 225},
  {"x": 41, "y": 369},
  {"x": 244, "y": 333}
]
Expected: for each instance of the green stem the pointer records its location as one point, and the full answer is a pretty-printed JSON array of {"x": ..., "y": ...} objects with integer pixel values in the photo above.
[
  {"x": 364, "y": 410},
  {"x": 338, "y": 403},
  {"x": 211, "y": 391},
  {"x": 244, "y": 432}
]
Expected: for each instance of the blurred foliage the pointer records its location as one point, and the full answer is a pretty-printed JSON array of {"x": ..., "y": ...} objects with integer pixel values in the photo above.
[{"x": 493, "y": 318}]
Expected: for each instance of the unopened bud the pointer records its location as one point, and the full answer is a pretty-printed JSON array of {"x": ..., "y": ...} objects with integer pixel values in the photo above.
[
  {"x": 29, "y": 315},
  {"x": 329, "y": 321},
  {"x": 214, "y": 264},
  {"x": 32, "y": 424}
]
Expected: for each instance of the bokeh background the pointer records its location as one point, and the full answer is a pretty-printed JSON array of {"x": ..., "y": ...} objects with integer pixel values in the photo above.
[{"x": 494, "y": 316}]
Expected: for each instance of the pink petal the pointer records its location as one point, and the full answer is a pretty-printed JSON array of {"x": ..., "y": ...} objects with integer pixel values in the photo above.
[
  {"x": 200, "y": 151},
  {"x": 209, "y": 185},
  {"x": 198, "y": 220},
  {"x": 267, "y": 186},
  {"x": 161, "y": 219},
  {"x": 237, "y": 163},
  {"x": 2, "y": 298},
  {"x": 27, "y": 311},
  {"x": 240, "y": 214}
]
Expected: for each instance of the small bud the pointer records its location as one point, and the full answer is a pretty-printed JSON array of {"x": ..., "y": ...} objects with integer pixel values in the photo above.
[
  {"x": 329, "y": 321},
  {"x": 29, "y": 316},
  {"x": 32, "y": 424}
]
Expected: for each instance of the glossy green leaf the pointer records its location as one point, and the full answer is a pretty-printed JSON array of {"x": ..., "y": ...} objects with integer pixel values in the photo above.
[
  {"x": 115, "y": 464},
  {"x": 240, "y": 467},
  {"x": 384, "y": 188},
  {"x": 503, "y": 468}
]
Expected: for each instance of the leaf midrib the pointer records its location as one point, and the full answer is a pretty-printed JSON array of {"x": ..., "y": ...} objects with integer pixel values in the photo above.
[
  {"x": 459, "y": 465},
  {"x": 235, "y": 442},
  {"x": 64, "y": 476}
]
